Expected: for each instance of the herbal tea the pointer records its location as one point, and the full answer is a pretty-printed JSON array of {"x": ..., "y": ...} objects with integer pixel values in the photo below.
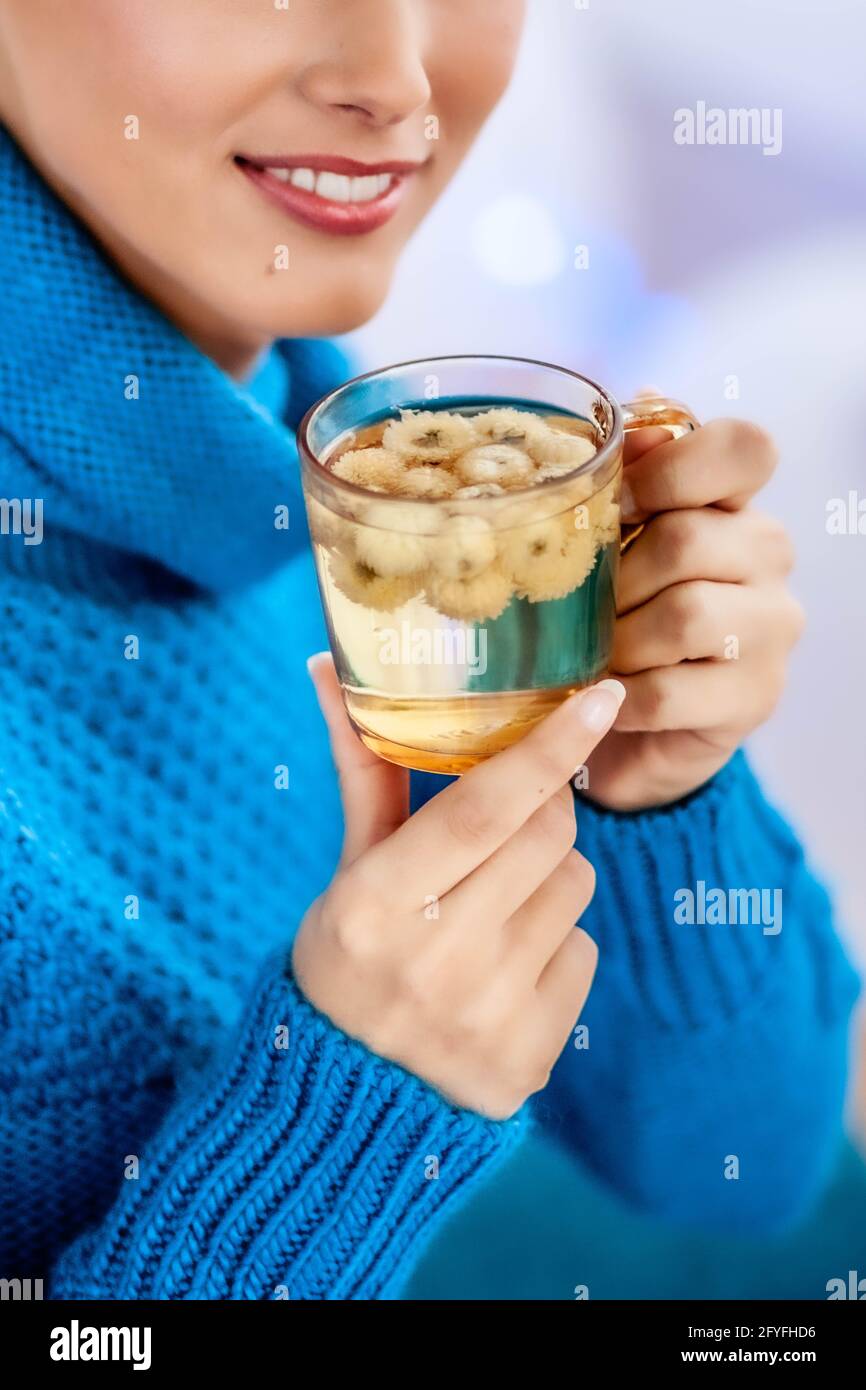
[{"x": 468, "y": 575}]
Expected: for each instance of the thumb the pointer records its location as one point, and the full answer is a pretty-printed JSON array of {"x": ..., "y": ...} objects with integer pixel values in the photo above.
[{"x": 375, "y": 794}]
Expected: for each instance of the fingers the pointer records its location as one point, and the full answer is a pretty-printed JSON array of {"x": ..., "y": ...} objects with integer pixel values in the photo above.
[
  {"x": 723, "y": 465},
  {"x": 639, "y": 442},
  {"x": 565, "y": 983},
  {"x": 513, "y": 872},
  {"x": 466, "y": 823},
  {"x": 538, "y": 928},
  {"x": 705, "y": 620},
  {"x": 375, "y": 794},
  {"x": 702, "y": 544},
  {"x": 700, "y": 695}
]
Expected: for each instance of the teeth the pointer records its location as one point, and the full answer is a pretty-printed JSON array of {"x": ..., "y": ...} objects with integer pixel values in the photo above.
[
  {"x": 336, "y": 188},
  {"x": 365, "y": 188}
]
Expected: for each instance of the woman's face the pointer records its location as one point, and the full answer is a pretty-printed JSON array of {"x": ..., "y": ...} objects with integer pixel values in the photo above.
[{"x": 255, "y": 166}]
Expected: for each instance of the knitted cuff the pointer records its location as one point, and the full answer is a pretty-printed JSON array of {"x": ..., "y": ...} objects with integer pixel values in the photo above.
[
  {"x": 706, "y": 908},
  {"x": 314, "y": 1169}
]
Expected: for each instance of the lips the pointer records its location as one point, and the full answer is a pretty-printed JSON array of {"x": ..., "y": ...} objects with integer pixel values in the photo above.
[{"x": 329, "y": 192}]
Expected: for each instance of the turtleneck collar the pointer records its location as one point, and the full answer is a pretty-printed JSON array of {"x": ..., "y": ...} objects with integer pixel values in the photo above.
[{"x": 130, "y": 436}]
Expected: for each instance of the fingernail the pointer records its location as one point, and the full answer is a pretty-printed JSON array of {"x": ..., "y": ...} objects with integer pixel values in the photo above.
[
  {"x": 314, "y": 661},
  {"x": 599, "y": 706},
  {"x": 627, "y": 505}
]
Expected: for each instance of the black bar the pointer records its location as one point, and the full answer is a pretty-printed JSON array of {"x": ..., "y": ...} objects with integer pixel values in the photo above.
[{"x": 244, "y": 1338}]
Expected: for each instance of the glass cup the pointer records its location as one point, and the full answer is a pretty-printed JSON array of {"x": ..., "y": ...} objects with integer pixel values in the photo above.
[{"x": 457, "y": 624}]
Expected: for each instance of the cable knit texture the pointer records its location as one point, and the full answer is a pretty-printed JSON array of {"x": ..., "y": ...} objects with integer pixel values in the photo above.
[{"x": 177, "y": 1121}]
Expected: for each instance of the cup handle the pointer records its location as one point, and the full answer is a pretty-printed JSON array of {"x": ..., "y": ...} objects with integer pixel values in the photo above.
[{"x": 660, "y": 413}]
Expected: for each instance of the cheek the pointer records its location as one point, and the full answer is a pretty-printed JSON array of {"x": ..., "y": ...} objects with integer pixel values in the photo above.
[
  {"x": 108, "y": 70},
  {"x": 138, "y": 143},
  {"x": 471, "y": 73}
]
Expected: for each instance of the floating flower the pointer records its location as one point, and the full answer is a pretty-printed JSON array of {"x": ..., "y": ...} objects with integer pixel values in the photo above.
[
  {"x": 554, "y": 448},
  {"x": 358, "y": 582},
  {"x": 377, "y": 470},
  {"x": 517, "y": 428},
  {"x": 483, "y": 597},
  {"x": 465, "y": 547},
  {"x": 428, "y": 480},
  {"x": 495, "y": 463},
  {"x": 428, "y": 436},
  {"x": 392, "y": 541}
]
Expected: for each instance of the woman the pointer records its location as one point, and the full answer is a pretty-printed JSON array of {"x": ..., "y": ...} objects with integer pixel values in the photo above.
[{"x": 188, "y": 1112}]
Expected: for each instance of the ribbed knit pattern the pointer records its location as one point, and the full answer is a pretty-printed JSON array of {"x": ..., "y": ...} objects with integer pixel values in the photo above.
[
  {"x": 157, "y": 1138},
  {"x": 302, "y": 1173},
  {"x": 709, "y": 1041}
]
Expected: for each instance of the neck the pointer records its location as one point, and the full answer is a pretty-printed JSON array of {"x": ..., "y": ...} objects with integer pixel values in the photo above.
[
  {"x": 235, "y": 350},
  {"x": 144, "y": 455}
]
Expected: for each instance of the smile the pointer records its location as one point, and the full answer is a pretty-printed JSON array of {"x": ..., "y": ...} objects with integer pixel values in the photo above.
[{"x": 332, "y": 194}]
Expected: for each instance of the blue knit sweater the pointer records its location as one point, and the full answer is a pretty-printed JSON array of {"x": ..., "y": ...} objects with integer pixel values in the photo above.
[{"x": 177, "y": 1121}]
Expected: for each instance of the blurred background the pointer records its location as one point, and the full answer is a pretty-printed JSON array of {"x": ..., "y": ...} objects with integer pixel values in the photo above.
[{"x": 580, "y": 232}]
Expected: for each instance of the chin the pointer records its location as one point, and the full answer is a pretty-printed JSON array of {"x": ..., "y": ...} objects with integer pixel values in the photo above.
[{"x": 341, "y": 305}]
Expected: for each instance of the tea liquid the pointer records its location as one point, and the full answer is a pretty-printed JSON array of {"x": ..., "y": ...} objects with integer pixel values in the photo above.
[{"x": 458, "y": 625}]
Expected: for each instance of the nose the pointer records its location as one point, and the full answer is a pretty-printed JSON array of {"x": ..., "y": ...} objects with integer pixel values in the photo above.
[{"x": 375, "y": 68}]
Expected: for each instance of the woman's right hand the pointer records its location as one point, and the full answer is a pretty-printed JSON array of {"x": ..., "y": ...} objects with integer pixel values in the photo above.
[{"x": 446, "y": 941}]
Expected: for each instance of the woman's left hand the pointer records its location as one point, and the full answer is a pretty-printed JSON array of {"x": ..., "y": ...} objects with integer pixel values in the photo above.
[{"x": 705, "y": 622}]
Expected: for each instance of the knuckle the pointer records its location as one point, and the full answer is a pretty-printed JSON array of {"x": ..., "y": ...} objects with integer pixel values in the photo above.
[
  {"x": 586, "y": 955},
  {"x": 557, "y": 822},
  {"x": 787, "y": 553},
  {"x": 469, "y": 819},
  {"x": 681, "y": 538},
  {"x": 775, "y": 540},
  {"x": 579, "y": 958},
  {"x": 667, "y": 486},
  {"x": 753, "y": 442},
  {"x": 349, "y": 919},
  {"x": 688, "y": 611},
  {"x": 352, "y": 936},
  {"x": 580, "y": 878},
  {"x": 656, "y": 702}
]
